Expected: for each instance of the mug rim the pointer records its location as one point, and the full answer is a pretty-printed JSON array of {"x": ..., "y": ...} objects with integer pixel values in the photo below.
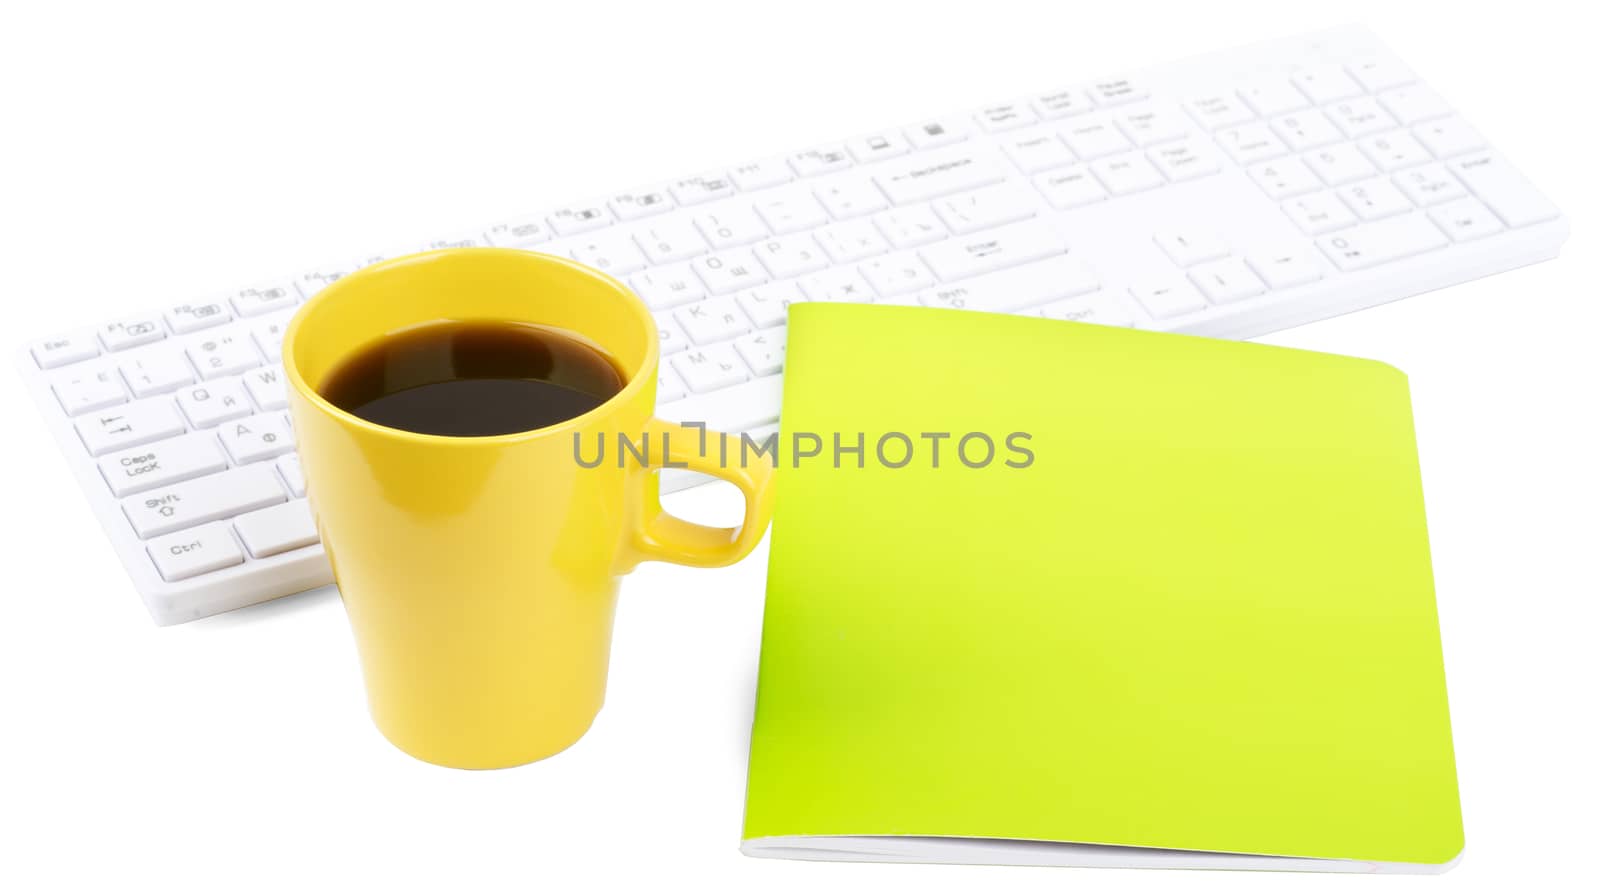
[{"x": 647, "y": 366}]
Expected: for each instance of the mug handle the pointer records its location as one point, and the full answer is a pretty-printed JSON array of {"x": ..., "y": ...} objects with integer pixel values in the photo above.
[{"x": 659, "y": 535}]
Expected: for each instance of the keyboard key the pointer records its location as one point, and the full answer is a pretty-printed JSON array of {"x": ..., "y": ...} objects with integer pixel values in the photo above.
[
  {"x": 1339, "y": 164},
  {"x": 762, "y": 174},
  {"x": 273, "y": 530},
  {"x": 1323, "y": 84},
  {"x": 215, "y": 497},
  {"x": 768, "y": 305},
  {"x": 838, "y": 285},
  {"x": 910, "y": 227},
  {"x": 1448, "y": 137},
  {"x": 850, "y": 241},
  {"x": 1306, "y": 130},
  {"x": 309, "y": 283},
  {"x": 1285, "y": 268},
  {"x": 709, "y": 368},
  {"x": 1219, "y": 110},
  {"x": 1188, "y": 247},
  {"x": 928, "y": 175},
  {"x": 965, "y": 256},
  {"x": 1069, "y": 188},
  {"x": 1009, "y": 290},
  {"x": 1375, "y": 199},
  {"x": 1272, "y": 96},
  {"x": 152, "y": 373},
  {"x": 257, "y": 438},
  {"x": 186, "y": 319},
  {"x": 1167, "y": 296},
  {"x": 1251, "y": 143},
  {"x": 730, "y": 226},
  {"x": 289, "y": 468},
  {"x": 790, "y": 255},
  {"x": 713, "y": 320},
  {"x": 267, "y": 388},
  {"x": 1010, "y": 116},
  {"x": 1414, "y": 104},
  {"x": 670, "y": 240},
  {"x": 580, "y": 218},
  {"x": 670, "y": 334},
  {"x": 268, "y": 335},
  {"x": 878, "y": 146},
  {"x": 264, "y": 299},
  {"x": 667, "y": 286},
  {"x": 209, "y": 404},
  {"x": 1431, "y": 184},
  {"x": 1466, "y": 219},
  {"x": 613, "y": 253},
  {"x": 66, "y": 349},
  {"x": 126, "y": 426},
  {"x": 636, "y": 205},
  {"x": 1285, "y": 178},
  {"x": 1118, "y": 91},
  {"x": 1126, "y": 174},
  {"x": 703, "y": 188},
  {"x": 668, "y": 385},
  {"x": 1149, "y": 125},
  {"x": 162, "y": 463},
  {"x": 223, "y": 354},
  {"x": 763, "y": 350},
  {"x": 1394, "y": 151},
  {"x": 1361, "y": 116},
  {"x": 1037, "y": 150},
  {"x": 1505, "y": 190},
  {"x": 195, "y": 552},
  {"x": 1185, "y": 159},
  {"x": 88, "y": 389},
  {"x": 937, "y": 132},
  {"x": 1228, "y": 280},
  {"x": 820, "y": 160},
  {"x": 1062, "y": 104},
  {"x": 1382, "y": 242},
  {"x": 848, "y": 197},
  {"x": 1319, "y": 213},
  {"x": 131, "y": 332},
  {"x": 1379, "y": 73},
  {"x": 522, "y": 233},
  {"x": 1099, "y": 308},
  {"x": 985, "y": 208},
  {"x": 1094, "y": 136},
  {"x": 895, "y": 274},
  {"x": 791, "y": 209},
  {"x": 730, "y": 271}
]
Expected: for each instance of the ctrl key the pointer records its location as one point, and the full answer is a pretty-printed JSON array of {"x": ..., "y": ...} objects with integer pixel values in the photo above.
[{"x": 196, "y": 551}]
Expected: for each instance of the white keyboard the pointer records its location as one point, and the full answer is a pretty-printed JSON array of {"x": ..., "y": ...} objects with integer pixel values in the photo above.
[{"x": 1231, "y": 195}]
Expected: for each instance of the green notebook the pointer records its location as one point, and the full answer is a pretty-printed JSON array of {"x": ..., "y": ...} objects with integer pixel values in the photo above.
[{"x": 1196, "y": 629}]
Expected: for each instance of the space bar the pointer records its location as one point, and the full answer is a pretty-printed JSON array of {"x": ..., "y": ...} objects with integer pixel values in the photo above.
[{"x": 731, "y": 409}]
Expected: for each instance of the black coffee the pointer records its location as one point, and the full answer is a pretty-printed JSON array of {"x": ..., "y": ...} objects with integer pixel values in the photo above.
[{"x": 473, "y": 379}]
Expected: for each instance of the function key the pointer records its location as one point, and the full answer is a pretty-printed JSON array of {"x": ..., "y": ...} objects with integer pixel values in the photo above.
[
  {"x": 761, "y": 174},
  {"x": 55, "y": 352},
  {"x": 640, "y": 203},
  {"x": 446, "y": 244},
  {"x": 311, "y": 282},
  {"x": 131, "y": 332},
  {"x": 877, "y": 147},
  {"x": 264, "y": 299},
  {"x": 580, "y": 218},
  {"x": 187, "y": 317},
  {"x": 823, "y": 159},
  {"x": 519, "y": 233},
  {"x": 703, "y": 188}
]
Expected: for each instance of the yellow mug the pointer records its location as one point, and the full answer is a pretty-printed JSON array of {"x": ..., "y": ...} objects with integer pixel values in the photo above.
[{"x": 480, "y": 573}]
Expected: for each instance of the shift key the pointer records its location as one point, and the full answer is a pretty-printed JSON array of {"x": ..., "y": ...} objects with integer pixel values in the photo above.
[{"x": 202, "y": 500}]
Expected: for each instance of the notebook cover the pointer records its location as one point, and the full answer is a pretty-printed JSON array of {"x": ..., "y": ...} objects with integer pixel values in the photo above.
[{"x": 1203, "y": 618}]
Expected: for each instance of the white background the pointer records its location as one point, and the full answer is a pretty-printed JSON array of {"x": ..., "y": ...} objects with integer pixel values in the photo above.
[{"x": 150, "y": 155}]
